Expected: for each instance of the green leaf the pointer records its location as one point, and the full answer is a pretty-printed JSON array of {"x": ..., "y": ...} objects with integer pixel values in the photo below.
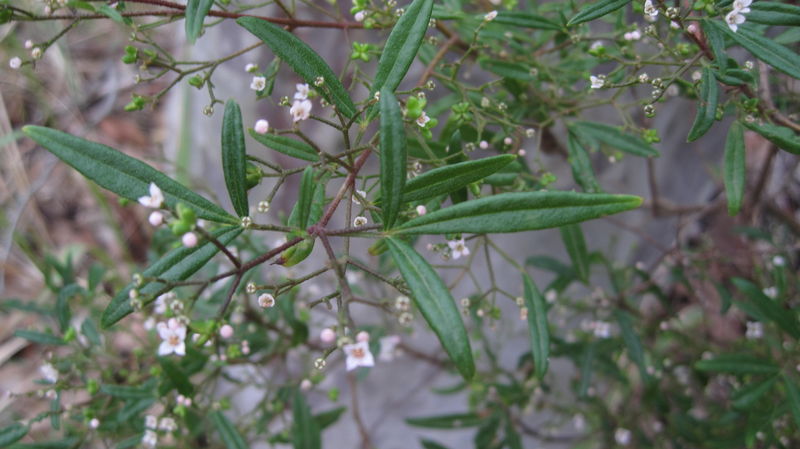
[
  {"x": 508, "y": 69},
  {"x": 430, "y": 444},
  {"x": 717, "y": 42},
  {"x": 793, "y": 393},
  {"x": 632, "y": 342},
  {"x": 196, "y": 11},
  {"x": 515, "y": 212},
  {"x": 453, "y": 421},
  {"x": 176, "y": 376},
  {"x": 39, "y": 337},
  {"x": 770, "y": 308},
  {"x": 393, "y": 157},
  {"x": 287, "y": 146},
  {"x": 303, "y": 60},
  {"x": 573, "y": 239},
  {"x": 781, "y": 136},
  {"x": 581, "y": 165},
  {"x": 302, "y": 209},
  {"x": 144, "y": 391},
  {"x": 774, "y": 13},
  {"x": 748, "y": 395},
  {"x": 176, "y": 265},
  {"x": 90, "y": 331},
  {"x": 64, "y": 443},
  {"x": 234, "y": 158},
  {"x": 111, "y": 13},
  {"x": 764, "y": 48},
  {"x": 737, "y": 364},
  {"x": 402, "y": 46},
  {"x": 227, "y": 432},
  {"x": 449, "y": 178},
  {"x": 12, "y": 433},
  {"x": 595, "y": 10},
  {"x": 329, "y": 417},
  {"x": 525, "y": 20},
  {"x": 706, "y": 107},
  {"x": 305, "y": 432},
  {"x": 120, "y": 173},
  {"x": 537, "y": 325},
  {"x": 613, "y": 137},
  {"x": 434, "y": 301},
  {"x": 734, "y": 174},
  {"x": 63, "y": 312}
]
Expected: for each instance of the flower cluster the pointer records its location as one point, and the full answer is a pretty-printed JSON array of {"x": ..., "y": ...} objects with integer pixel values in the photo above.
[
  {"x": 736, "y": 16},
  {"x": 301, "y": 107}
]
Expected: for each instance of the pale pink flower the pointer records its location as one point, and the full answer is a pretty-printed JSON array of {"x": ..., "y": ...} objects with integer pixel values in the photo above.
[{"x": 173, "y": 333}]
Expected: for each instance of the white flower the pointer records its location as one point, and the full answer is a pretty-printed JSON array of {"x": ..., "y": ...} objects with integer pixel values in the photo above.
[
  {"x": 422, "y": 210},
  {"x": 388, "y": 348},
  {"x": 302, "y": 92},
  {"x": 772, "y": 292},
  {"x": 94, "y": 423},
  {"x": 251, "y": 67},
  {"x": 258, "y": 83},
  {"x": 15, "y": 63},
  {"x": 358, "y": 354},
  {"x": 360, "y": 221},
  {"x": 634, "y": 35},
  {"x": 579, "y": 422},
  {"x": 150, "y": 438},
  {"x": 300, "y": 110},
  {"x": 402, "y": 303},
  {"x": 423, "y": 119},
  {"x": 458, "y": 248},
  {"x": 734, "y": 19},
  {"x": 650, "y": 9},
  {"x": 644, "y": 77},
  {"x": 360, "y": 16},
  {"x": 150, "y": 422},
  {"x": 189, "y": 240},
  {"x": 156, "y": 218},
  {"x": 36, "y": 53},
  {"x": 156, "y": 198},
  {"x": 173, "y": 333},
  {"x": 226, "y": 331},
  {"x": 167, "y": 424},
  {"x": 742, "y": 5},
  {"x": 490, "y": 16},
  {"x": 49, "y": 372},
  {"x": 755, "y": 330},
  {"x": 597, "y": 81},
  {"x": 265, "y": 300},
  {"x": 779, "y": 261},
  {"x": 622, "y": 436},
  {"x": 161, "y": 303},
  {"x": 602, "y": 329},
  {"x": 261, "y": 126}
]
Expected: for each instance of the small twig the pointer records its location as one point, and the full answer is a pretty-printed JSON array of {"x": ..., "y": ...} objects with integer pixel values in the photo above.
[{"x": 362, "y": 429}]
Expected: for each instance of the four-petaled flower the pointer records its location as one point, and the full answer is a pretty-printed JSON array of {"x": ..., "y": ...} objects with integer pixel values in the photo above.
[
  {"x": 258, "y": 83},
  {"x": 173, "y": 333},
  {"x": 597, "y": 81},
  {"x": 458, "y": 248},
  {"x": 358, "y": 354},
  {"x": 156, "y": 198},
  {"x": 734, "y": 19},
  {"x": 302, "y": 92},
  {"x": 423, "y": 119},
  {"x": 300, "y": 110}
]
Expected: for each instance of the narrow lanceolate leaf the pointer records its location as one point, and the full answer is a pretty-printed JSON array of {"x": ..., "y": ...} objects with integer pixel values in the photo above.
[
  {"x": 508, "y": 69},
  {"x": 613, "y": 137},
  {"x": 737, "y": 364},
  {"x": 526, "y": 20},
  {"x": 572, "y": 236},
  {"x": 632, "y": 342},
  {"x": 449, "y": 178},
  {"x": 234, "y": 157},
  {"x": 454, "y": 421},
  {"x": 393, "y": 157},
  {"x": 783, "y": 137},
  {"x": 434, "y": 301},
  {"x": 581, "y": 165},
  {"x": 305, "y": 432},
  {"x": 303, "y": 60},
  {"x": 774, "y": 13},
  {"x": 402, "y": 45},
  {"x": 305, "y": 198},
  {"x": 227, "y": 431},
  {"x": 515, "y": 212},
  {"x": 734, "y": 173},
  {"x": 537, "y": 325},
  {"x": 12, "y": 433},
  {"x": 780, "y": 57},
  {"x": 596, "y": 9},
  {"x": 196, "y": 11},
  {"x": 120, "y": 173},
  {"x": 176, "y": 265},
  {"x": 748, "y": 395},
  {"x": 717, "y": 42},
  {"x": 793, "y": 394},
  {"x": 287, "y": 146},
  {"x": 63, "y": 310},
  {"x": 39, "y": 337},
  {"x": 706, "y": 107},
  {"x": 769, "y": 308}
]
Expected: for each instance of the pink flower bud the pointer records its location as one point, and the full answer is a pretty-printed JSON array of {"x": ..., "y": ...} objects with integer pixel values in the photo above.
[
  {"x": 306, "y": 385},
  {"x": 362, "y": 336},
  {"x": 262, "y": 126},
  {"x": 189, "y": 240},
  {"x": 156, "y": 218},
  {"x": 327, "y": 335},
  {"x": 484, "y": 144},
  {"x": 226, "y": 331}
]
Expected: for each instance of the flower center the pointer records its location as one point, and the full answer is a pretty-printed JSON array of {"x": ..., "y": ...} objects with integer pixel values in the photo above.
[
  {"x": 174, "y": 340},
  {"x": 358, "y": 353}
]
